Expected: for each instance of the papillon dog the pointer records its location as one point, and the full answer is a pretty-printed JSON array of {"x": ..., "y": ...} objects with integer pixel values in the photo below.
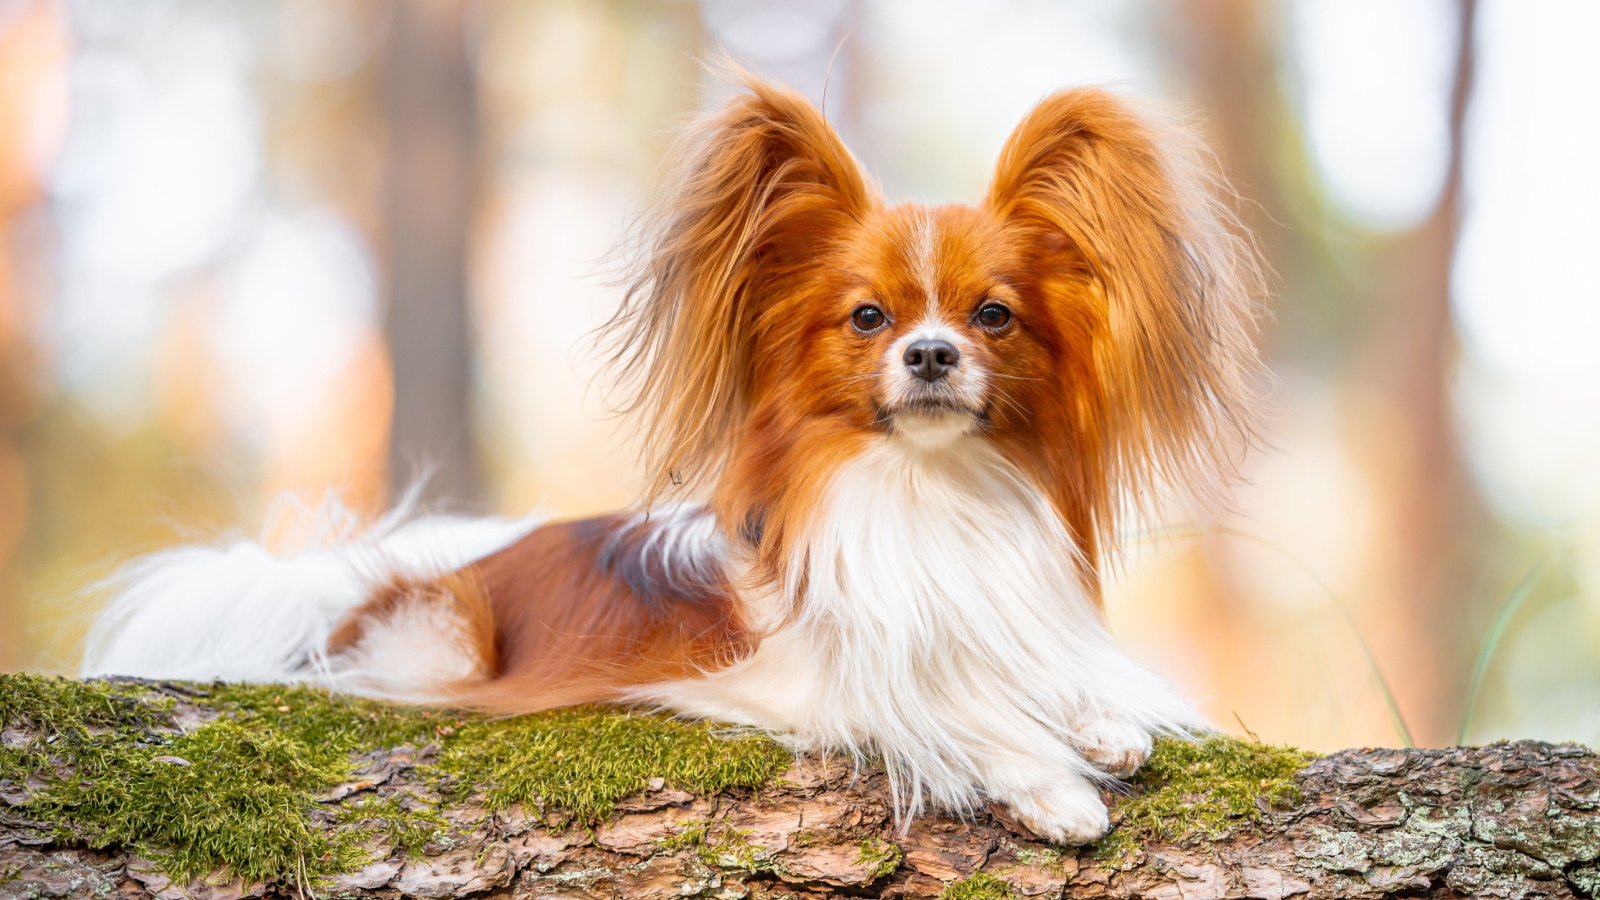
[{"x": 888, "y": 448}]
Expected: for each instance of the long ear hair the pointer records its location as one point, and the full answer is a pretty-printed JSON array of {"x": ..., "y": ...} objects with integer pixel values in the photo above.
[
  {"x": 763, "y": 185},
  {"x": 1176, "y": 283}
]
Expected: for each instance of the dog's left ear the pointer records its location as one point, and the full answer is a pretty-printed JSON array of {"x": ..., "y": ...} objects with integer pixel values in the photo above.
[{"x": 1172, "y": 286}]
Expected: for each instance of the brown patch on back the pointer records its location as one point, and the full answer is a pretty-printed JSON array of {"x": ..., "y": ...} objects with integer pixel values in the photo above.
[{"x": 562, "y": 625}]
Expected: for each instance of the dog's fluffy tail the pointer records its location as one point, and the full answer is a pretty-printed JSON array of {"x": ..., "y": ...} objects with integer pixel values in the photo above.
[{"x": 239, "y": 612}]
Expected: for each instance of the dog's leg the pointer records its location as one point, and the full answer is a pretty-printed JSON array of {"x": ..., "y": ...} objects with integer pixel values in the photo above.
[
  {"x": 1115, "y": 744},
  {"x": 1053, "y": 801},
  {"x": 1121, "y": 708}
]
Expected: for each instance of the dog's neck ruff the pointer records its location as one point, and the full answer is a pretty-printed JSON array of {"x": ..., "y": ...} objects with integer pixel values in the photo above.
[{"x": 935, "y": 613}]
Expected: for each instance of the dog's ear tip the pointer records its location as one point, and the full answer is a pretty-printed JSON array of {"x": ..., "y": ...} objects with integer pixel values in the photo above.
[{"x": 745, "y": 86}]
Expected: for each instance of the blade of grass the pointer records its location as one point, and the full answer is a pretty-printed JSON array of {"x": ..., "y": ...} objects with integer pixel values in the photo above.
[
  {"x": 1391, "y": 705},
  {"x": 1491, "y": 639}
]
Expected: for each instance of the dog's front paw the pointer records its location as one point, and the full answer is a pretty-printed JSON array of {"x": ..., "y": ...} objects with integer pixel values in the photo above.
[
  {"x": 1070, "y": 813},
  {"x": 1115, "y": 746}
]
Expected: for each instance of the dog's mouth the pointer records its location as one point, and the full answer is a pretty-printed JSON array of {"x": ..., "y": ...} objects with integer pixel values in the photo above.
[
  {"x": 933, "y": 419},
  {"x": 932, "y": 406}
]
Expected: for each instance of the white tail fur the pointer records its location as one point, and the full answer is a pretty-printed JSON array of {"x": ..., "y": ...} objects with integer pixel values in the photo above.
[{"x": 240, "y": 613}]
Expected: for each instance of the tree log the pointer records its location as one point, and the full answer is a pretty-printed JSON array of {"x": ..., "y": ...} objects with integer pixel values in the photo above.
[{"x": 1508, "y": 820}]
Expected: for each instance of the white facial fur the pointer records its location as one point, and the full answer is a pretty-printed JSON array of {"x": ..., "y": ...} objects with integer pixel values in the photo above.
[
  {"x": 964, "y": 389},
  {"x": 945, "y": 627}
]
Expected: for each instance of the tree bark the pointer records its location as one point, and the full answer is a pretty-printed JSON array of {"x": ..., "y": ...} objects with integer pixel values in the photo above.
[{"x": 1507, "y": 820}]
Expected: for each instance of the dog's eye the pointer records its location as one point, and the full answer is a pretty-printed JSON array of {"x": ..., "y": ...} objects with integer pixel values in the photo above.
[
  {"x": 868, "y": 319},
  {"x": 993, "y": 316}
]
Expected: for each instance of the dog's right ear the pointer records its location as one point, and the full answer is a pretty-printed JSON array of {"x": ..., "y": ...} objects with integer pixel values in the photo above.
[
  {"x": 1172, "y": 285},
  {"x": 764, "y": 184}
]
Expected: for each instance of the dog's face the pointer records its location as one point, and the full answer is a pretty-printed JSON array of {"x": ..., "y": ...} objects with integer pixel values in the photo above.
[
  {"x": 928, "y": 324},
  {"x": 1093, "y": 315}
]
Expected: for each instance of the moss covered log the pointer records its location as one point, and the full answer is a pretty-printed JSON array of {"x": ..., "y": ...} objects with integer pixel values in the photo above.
[{"x": 138, "y": 789}]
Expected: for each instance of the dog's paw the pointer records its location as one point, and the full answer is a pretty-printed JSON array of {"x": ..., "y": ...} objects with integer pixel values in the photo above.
[
  {"x": 1071, "y": 813},
  {"x": 1115, "y": 746}
]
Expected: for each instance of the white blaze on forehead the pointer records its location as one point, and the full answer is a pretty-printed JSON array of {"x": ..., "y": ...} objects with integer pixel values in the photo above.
[
  {"x": 924, "y": 260},
  {"x": 935, "y": 328}
]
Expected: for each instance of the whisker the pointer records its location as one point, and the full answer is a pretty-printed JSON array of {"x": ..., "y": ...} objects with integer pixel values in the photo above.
[{"x": 1003, "y": 395}]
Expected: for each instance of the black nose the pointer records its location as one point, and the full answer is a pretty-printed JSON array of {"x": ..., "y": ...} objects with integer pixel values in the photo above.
[{"x": 931, "y": 360}]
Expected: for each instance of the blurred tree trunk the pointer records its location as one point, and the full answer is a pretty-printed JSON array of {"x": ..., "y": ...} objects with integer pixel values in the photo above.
[
  {"x": 1428, "y": 512},
  {"x": 1438, "y": 520},
  {"x": 1228, "y": 61},
  {"x": 430, "y": 103}
]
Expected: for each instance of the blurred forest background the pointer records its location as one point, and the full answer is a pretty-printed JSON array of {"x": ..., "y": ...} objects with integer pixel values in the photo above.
[{"x": 251, "y": 248}]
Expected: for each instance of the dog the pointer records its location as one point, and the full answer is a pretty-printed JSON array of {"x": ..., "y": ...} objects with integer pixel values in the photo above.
[{"x": 888, "y": 451}]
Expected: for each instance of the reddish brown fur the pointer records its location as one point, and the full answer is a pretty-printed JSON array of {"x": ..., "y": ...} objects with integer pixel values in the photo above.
[
  {"x": 564, "y": 629},
  {"x": 1168, "y": 288},
  {"x": 1128, "y": 371},
  {"x": 1126, "y": 366}
]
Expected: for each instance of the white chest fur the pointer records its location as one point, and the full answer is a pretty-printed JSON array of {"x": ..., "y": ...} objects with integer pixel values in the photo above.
[{"x": 944, "y": 627}]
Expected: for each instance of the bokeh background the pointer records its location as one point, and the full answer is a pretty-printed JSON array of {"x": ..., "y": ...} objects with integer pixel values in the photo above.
[{"x": 253, "y": 248}]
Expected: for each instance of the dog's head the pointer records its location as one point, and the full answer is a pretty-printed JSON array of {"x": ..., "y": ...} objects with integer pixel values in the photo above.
[{"x": 1093, "y": 315}]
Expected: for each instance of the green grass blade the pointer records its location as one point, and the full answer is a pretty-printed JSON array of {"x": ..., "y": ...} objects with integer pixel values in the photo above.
[
  {"x": 1392, "y": 706},
  {"x": 1491, "y": 640}
]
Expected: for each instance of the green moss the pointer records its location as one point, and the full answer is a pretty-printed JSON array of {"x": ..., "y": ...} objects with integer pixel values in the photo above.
[
  {"x": 980, "y": 886},
  {"x": 404, "y": 821},
  {"x": 238, "y": 790},
  {"x": 1043, "y": 858},
  {"x": 335, "y": 721},
  {"x": 1201, "y": 790},
  {"x": 719, "y": 845},
  {"x": 692, "y": 836},
  {"x": 58, "y": 707},
  {"x": 63, "y": 715},
  {"x": 883, "y": 856},
  {"x": 731, "y": 848},
  {"x": 582, "y": 761}
]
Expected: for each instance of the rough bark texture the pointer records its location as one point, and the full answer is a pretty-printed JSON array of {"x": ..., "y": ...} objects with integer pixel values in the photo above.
[{"x": 1509, "y": 820}]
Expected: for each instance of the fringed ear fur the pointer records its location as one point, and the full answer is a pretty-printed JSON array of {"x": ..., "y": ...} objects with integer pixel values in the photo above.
[
  {"x": 1177, "y": 283},
  {"x": 764, "y": 183}
]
